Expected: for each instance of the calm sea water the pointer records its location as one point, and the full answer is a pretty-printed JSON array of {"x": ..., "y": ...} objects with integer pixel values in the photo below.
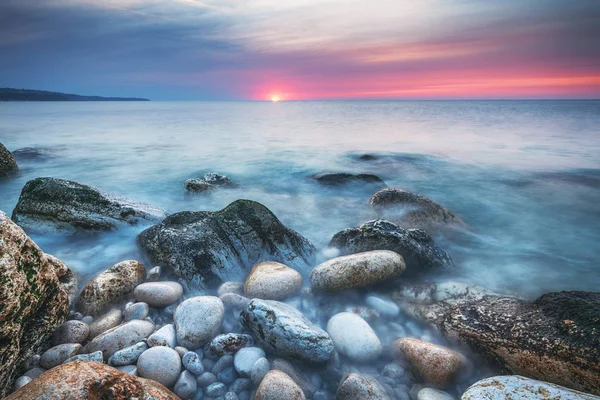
[{"x": 525, "y": 175}]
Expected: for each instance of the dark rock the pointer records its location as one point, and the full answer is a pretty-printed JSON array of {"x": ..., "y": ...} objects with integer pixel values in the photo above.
[
  {"x": 209, "y": 182},
  {"x": 33, "y": 153},
  {"x": 333, "y": 179},
  {"x": 418, "y": 249},
  {"x": 207, "y": 248},
  {"x": 8, "y": 165},
  {"x": 49, "y": 204},
  {"x": 227, "y": 343}
]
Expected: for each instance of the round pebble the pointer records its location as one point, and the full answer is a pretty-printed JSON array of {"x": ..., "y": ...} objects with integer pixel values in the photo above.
[
  {"x": 71, "y": 332},
  {"x": 193, "y": 363},
  {"x": 58, "y": 354},
  {"x": 158, "y": 294},
  {"x": 197, "y": 320},
  {"x": 186, "y": 386},
  {"x": 22, "y": 381},
  {"x": 260, "y": 368},
  {"x": 245, "y": 358},
  {"x": 136, "y": 311},
  {"x": 206, "y": 379},
  {"x": 216, "y": 389},
  {"x": 161, "y": 364}
]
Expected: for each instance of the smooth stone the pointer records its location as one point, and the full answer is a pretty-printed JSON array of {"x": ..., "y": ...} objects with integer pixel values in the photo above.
[
  {"x": 433, "y": 394},
  {"x": 128, "y": 369},
  {"x": 136, "y": 311},
  {"x": 181, "y": 350},
  {"x": 227, "y": 343},
  {"x": 245, "y": 358},
  {"x": 119, "y": 337},
  {"x": 393, "y": 371},
  {"x": 234, "y": 300},
  {"x": 277, "y": 385},
  {"x": 301, "y": 379},
  {"x": 20, "y": 382},
  {"x": 161, "y": 364},
  {"x": 186, "y": 386},
  {"x": 360, "y": 387},
  {"x": 105, "y": 322},
  {"x": 95, "y": 356},
  {"x": 231, "y": 287},
  {"x": 35, "y": 372},
  {"x": 357, "y": 270},
  {"x": 283, "y": 330},
  {"x": 437, "y": 365},
  {"x": 193, "y": 363},
  {"x": 154, "y": 274},
  {"x": 227, "y": 376},
  {"x": 208, "y": 364},
  {"x": 71, "y": 332},
  {"x": 206, "y": 379},
  {"x": 231, "y": 396},
  {"x": 260, "y": 368},
  {"x": 58, "y": 354},
  {"x": 241, "y": 384},
  {"x": 360, "y": 343},
  {"x": 197, "y": 320},
  {"x": 216, "y": 389},
  {"x": 165, "y": 336},
  {"x": 158, "y": 294},
  {"x": 383, "y": 306},
  {"x": 222, "y": 363},
  {"x": 272, "y": 281},
  {"x": 128, "y": 355},
  {"x": 88, "y": 319}
]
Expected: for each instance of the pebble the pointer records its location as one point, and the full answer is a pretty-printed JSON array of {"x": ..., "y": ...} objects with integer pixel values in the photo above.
[
  {"x": 75, "y": 316},
  {"x": 245, "y": 358},
  {"x": 71, "y": 332},
  {"x": 300, "y": 378},
  {"x": 58, "y": 354},
  {"x": 198, "y": 319},
  {"x": 186, "y": 386},
  {"x": 241, "y": 384},
  {"x": 136, "y": 311},
  {"x": 227, "y": 376},
  {"x": 360, "y": 387},
  {"x": 231, "y": 287},
  {"x": 35, "y": 372},
  {"x": 216, "y": 389},
  {"x": 154, "y": 274},
  {"x": 384, "y": 306},
  {"x": 227, "y": 343},
  {"x": 181, "y": 350},
  {"x": 222, "y": 363},
  {"x": 278, "y": 385},
  {"x": 231, "y": 396},
  {"x": 20, "y": 382},
  {"x": 95, "y": 356},
  {"x": 393, "y": 371},
  {"x": 234, "y": 301},
  {"x": 128, "y": 355},
  {"x": 158, "y": 294},
  {"x": 360, "y": 343},
  {"x": 193, "y": 363},
  {"x": 161, "y": 364},
  {"x": 117, "y": 338},
  {"x": 165, "y": 336},
  {"x": 105, "y": 322},
  {"x": 88, "y": 319},
  {"x": 206, "y": 379},
  {"x": 128, "y": 369},
  {"x": 260, "y": 368},
  {"x": 272, "y": 281},
  {"x": 433, "y": 394},
  {"x": 522, "y": 388},
  {"x": 208, "y": 364}
]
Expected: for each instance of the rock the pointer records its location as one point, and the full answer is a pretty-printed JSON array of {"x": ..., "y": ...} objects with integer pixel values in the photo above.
[
  {"x": 417, "y": 248},
  {"x": 359, "y": 343},
  {"x": 95, "y": 356},
  {"x": 22, "y": 381},
  {"x": 411, "y": 210},
  {"x": 165, "y": 336},
  {"x": 158, "y": 294},
  {"x": 90, "y": 380},
  {"x": 111, "y": 287},
  {"x": 216, "y": 389},
  {"x": 227, "y": 376},
  {"x": 34, "y": 301},
  {"x": 357, "y": 271},
  {"x": 136, "y": 311},
  {"x": 206, "y": 379},
  {"x": 33, "y": 153},
  {"x": 50, "y": 204},
  {"x": 245, "y": 358},
  {"x": 193, "y": 363},
  {"x": 234, "y": 300},
  {"x": 71, "y": 332},
  {"x": 67, "y": 278},
  {"x": 433, "y": 394},
  {"x": 197, "y": 320},
  {"x": 217, "y": 179},
  {"x": 383, "y": 306},
  {"x": 222, "y": 363},
  {"x": 272, "y": 281},
  {"x": 105, "y": 322},
  {"x": 128, "y": 369},
  {"x": 283, "y": 330},
  {"x": 300, "y": 378},
  {"x": 208, "y": 182},
  {"x": 207, "y": 248},
  {"x": 277, "y": 385},
  {"x": 120, "y": 337},
  {"x": 181, "y": 350},
  {"x": 8, "y": 165},
  {"x": 154, "y": 274},
  {"x": 436, "y": 364},
  {"x": 35, "y": 372},
  {"x": 227, "y": 343},
  {"x": 231, "y": 287},
  {"x": 260, "y": 368},
  {"x": 519, "y": 387},
  {"x": 161, "y": 364},
  {"x": 360, "y": 387},
  {"x": 186, "y": 385},
  {"x": 334, "y": 179}
]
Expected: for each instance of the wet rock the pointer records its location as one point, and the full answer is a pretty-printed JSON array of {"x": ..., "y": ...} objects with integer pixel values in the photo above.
[
  {"x": 120, "y": 337},
  {"x": 90, "y": 380},
  {"x": 417, "y": 248},
  {"x": 227, "y": 376},
  {"x": 216, "y": 389},
  {"x": 436, "y": 364},
  {"x": 71, "y": 332},
  {"x": 227, "y": 343},
  {"x": 197, "y": 320},
  {"x": 35, "y": 372},
  {"x": 245, "y": 358},
  {"x": 136, "y": 311},
  {"x": 193, "y": 363},
  {"x": 234, "y": 300},
  {"x": 105, "y": 322},
  {"x": 277, "y": 385},
  {"x": 57, "y": 354},
  {"x": 206, "y": 379},
  {"x": 186, "y": 385},
  {"x": 301, "y": 379},
  {"x": 165, "y": 336},
  {"x": 8, "y": 165},
  {"x": 360, "y": 343},
  {"x": 209, "y": 182},
  {"x": 222, "y": 363},
  {"x": 207, "y": 248},
  {"x": 433, "y": 394},
  {"x": 110, "y": 287},
  {"x": 154, "y": 274},
  {"x": 260, "y": 368},
  {"x": 50, "y": 204},
  {"x": 411, "y": 210},
  {"x": 217, "y": 179},
  {"x": 158, "y": 294},
  {"x": 128, "y": 369},
  {"x": 231, "y": 287},
  {"x": 360, "y": 387},
  {"x": 95, "y": 356},
  {"x": 357, "y": 271},
  {"x": 383, "y": 306},
  {"x": 283, "y": 330},
  {"x": 161, "y": 364},
  {"x": 34, "y": 302},
  {"x": 336, "y": 179},
  {"x": 272, "y": 281},
  {"x": 20, "y": 382},
  {"x": 33, "y": 153}
]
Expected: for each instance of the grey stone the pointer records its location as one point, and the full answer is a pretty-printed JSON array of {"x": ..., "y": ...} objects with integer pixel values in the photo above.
[
  {"x": 128, "y": 355},
  {"x": 186, "y": 386},
  {"x": 234, "y": 301},
  {"x": 231, "y": 396},
  {"x": 88, "y": 319},
  {"x": 119, "y": 337},
  {"x": 165, "y": 336},
  {"x": 71, "y": 332},
  {"x": 154, "y": 274},
  {"x": 58, "y": 354},
  {"x": 105, "y": 322},
  {"x": 128, "y": 369},
  {"x": 197, "y": 320},
  {"x": 21, "y": 381},
  {"x": 301, "y": 379},
  {"x": 136, "y": 311},
  {"x": 227, "y": 376},
  {"x": 272, "y": 280},
  {"x": 222, "y": 363},
  {"x": 206, "y": 379},
  {"x": 158, "y": 294},
  {"x": 161, "y": 364},
  {"x": 227, "y": 343},
  {"x": 433, "y": 394},
  {"x": 95, "y": 356},
  {"x": 278, "y": 385},
  {"x": 360, "y": 387},
  {"x": 193, "y": 363},
  {"x": 181, "y": 350},
  {"x": 231, "y": 287},
  {"x": 216, "y": 389},
  {"x": 245, "y": 358},
  {"x": 359, "y": 343},
  {"x": 241, "y": 384},
  {"x": 260, "y": 368}
]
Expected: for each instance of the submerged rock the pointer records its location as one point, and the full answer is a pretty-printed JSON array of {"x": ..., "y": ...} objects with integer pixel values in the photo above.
[
  {"x": 284, "y": 331},
  {"x": 90, "y": 380},
  {"x": 207, "y": 183},
  {"x": 50, "y": 204},
  {"x": 272, "y": 281},
  {"x": 276, "y": 385},
  {"x": 207, "y": 248},
  {"x": 34, "y": 301},
  {"x": 333, "y": 179},
  {"x": 418, "y": 249},
  {"x": 34, "y": 153},
  {"x": 357, "y": 270},
  {"x": 353, "y": 337},
  {"x": 360, "y": 387},
  {"x": 8, "y": 165}
]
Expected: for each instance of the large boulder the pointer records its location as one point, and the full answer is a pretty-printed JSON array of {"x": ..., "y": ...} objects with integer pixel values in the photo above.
[
  {"x": 207, "y": 248},
  {"x": 49, "y": 204},
  {"x": 555, "y": 338},
  {"x": 336, "y": 179},
  {"x": 418, "y": 249},
  {"x": 33, "y": 300},
  {"x": 8, "y": 165},
  {"x": 411, "y": 210},
  {"x": 90, "y": 380}
]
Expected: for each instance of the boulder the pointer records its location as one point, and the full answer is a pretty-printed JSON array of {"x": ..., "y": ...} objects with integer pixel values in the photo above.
[
  {"x": 207, "y": 183},
  {"x": 336, "y": 179},
  {"x": 360, "y": 387},
  {"x": 284, "y": 331},
  {"x": 411, "y": 210},
  {"x": 34, "y": 301},
  {"x": 277, "y": 385},
  {"x": 90, "y": 380},
  {"x": 416, "y": 246},
  {"x": 158, "y": 294},
  {"x": 50, "y": 204},
  {"x": 120, "y": 337},
  {"x": 197, "y": 320},
  {"x": 359, "y": 343},
  {"x": 8, "y": 165},
  {"x": 272, "y": 281},
  {"x": 357, "y": 271},
  {"x": 34, "y": 153},
  {"x": 111, "y": 287},
  {"x": 208, "y": 248}
]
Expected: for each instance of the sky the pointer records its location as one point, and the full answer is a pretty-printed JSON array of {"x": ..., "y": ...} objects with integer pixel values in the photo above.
[{"x": 303, "y": 49}]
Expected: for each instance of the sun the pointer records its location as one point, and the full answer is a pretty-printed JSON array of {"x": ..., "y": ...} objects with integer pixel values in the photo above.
[{"x": 275, "y": 98}]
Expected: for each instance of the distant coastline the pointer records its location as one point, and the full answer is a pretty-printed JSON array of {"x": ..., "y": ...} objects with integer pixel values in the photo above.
[{"x": 9, "y": 94}]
